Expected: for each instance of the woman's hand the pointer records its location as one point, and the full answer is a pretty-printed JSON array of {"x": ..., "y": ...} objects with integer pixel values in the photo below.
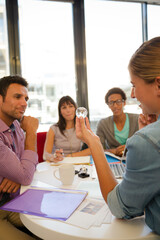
[
  {"x": 145, "y": 119},
  {"x": 83, "y": 130},
  {"x": 56, "y": 157},
  {"x": 117, "y": 151},
  {"x": 120, "y": 150}
]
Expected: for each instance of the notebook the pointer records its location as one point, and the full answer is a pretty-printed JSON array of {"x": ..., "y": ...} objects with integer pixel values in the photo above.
[
  {"x": 57, "y": 204},
  {"x": 114, "y": 158}
]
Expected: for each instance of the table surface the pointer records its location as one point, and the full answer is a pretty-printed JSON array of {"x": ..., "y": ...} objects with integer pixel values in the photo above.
[{"x": 51, "y": 229}]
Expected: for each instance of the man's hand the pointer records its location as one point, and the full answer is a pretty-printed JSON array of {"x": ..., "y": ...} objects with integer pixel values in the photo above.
[
  {"x": 29, "y": 124},
  {"x": 9, "y": 186}
]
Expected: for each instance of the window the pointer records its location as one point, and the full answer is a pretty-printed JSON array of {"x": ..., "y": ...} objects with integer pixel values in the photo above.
[
  {"x": 47, "y": 56},
  {"x": 113, "y": 33},
  {"x": 4, "y": 58},
  {"x": 153, "y": 21}
]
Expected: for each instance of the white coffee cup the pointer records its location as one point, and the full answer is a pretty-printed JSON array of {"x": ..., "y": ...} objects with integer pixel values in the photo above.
[{"x": 66, "y": 173}]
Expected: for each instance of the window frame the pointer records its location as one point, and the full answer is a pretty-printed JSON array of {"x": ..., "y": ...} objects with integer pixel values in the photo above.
[{"x": 79, "y": 40}]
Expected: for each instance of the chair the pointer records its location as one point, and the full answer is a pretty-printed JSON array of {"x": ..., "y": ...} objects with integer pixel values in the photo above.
[{"x": 41, "y": 137}]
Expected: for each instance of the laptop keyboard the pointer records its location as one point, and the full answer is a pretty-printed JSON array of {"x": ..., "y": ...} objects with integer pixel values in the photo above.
[{"x": 118, "y": 169}]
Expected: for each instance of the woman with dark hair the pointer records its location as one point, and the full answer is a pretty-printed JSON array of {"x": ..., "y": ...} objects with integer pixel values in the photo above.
[
  {"x": 61, "y": 138},
  {"x": 114, "y": 131}
]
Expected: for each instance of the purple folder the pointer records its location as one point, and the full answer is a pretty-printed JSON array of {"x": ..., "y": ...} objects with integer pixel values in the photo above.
[{"x": 45, "y": 203}]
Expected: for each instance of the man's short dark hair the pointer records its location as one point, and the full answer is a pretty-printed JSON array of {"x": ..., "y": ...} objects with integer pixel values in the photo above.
[
  {"x": 115, "y": 91},
  {"x": 6, "y": 81}
]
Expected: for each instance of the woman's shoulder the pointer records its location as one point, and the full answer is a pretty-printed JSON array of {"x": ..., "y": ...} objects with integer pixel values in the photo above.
[
  {"x": 150, "y": 134},
  {"x": 54, "y": 127},
  {"x": 152, "y": 129},
  {"x": 143, "y": 147}
]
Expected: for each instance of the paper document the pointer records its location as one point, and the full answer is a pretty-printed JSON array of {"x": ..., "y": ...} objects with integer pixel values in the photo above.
[
  {"x": 73, "y": 160},
  {"x": 91, "y": 213},
  {"x": 44, "y": 166},
  {"x": 57, "y": 204},
  {"x": 92, "y": 187}
]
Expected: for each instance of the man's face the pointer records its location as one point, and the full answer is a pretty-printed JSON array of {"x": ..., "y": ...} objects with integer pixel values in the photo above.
[{"x": 14, "y": 104}]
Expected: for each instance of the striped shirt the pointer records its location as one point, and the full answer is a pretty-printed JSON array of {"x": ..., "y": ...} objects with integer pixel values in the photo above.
[{"x": 16, "y": 163}]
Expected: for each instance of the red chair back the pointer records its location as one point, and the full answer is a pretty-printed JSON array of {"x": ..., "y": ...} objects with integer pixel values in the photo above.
[{"x": 41, "y": 137}]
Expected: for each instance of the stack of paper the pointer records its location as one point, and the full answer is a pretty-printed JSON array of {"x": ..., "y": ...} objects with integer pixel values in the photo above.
[{"x": 92, "y": 212}]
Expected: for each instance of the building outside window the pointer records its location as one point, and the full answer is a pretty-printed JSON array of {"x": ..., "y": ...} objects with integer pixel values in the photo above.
[
  {"x": 47, "y": 56},
  {"x": 113, "y": 33},
  {"x": 4, "y": 58},
  {"x": 153, "y": 21}
]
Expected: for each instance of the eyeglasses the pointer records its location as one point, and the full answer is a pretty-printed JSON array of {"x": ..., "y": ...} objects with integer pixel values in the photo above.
[{"x": 118, "y": 102}]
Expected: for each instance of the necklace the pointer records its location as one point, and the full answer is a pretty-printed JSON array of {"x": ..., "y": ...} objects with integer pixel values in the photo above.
[{"x": 69, "y": 138}]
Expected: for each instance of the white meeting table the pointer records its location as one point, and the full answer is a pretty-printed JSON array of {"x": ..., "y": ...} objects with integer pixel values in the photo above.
[{"x": 50, "y": 229}]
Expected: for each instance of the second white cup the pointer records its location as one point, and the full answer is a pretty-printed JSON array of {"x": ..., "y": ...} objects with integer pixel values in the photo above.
[{"x": 66, "y": 173}]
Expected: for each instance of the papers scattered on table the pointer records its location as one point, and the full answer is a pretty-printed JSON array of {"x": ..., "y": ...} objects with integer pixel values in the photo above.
[
  {"x": 73, "y": 160},
  {"x": 92, "y": 212},
  {"x": 57, "y": 204}
]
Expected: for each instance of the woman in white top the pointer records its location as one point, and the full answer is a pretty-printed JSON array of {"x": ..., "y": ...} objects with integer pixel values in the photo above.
[{"x": 61, "y": 138}]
